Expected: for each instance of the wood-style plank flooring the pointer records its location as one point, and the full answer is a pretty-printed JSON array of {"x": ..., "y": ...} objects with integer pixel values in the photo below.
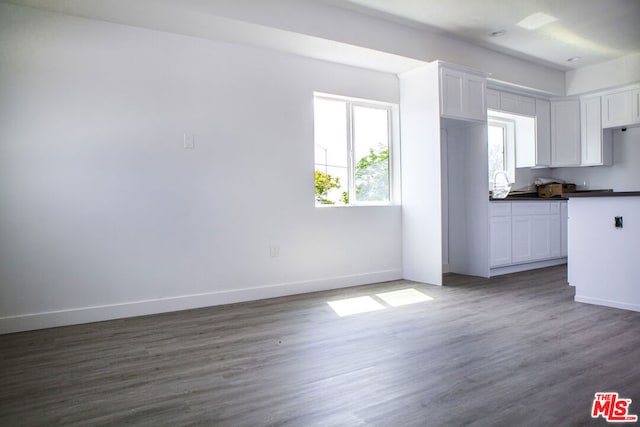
[{"x": 509, "y": 351}]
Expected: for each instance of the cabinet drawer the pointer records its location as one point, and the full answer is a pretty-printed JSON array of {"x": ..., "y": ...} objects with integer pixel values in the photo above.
[
  {"x": 530, "y": 208},
  {"x": 500, "y": 209}
]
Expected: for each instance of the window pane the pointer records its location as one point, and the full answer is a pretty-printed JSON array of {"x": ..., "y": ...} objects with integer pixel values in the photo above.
[
  {"x": 330, "y": 132},
  {"x": 371, "y": 154},
  {"x": 332, "y": 185},
  {"x": 497, "y": 145}
]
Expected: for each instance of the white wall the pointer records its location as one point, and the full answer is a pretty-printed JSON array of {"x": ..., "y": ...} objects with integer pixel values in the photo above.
[
  {"x": 421, "y": 176},
  {"x": 617, "y": 72},
  {"x": 623, "y": 175},
  {"x": 104, "y": 214},
  {"x": 526, "y": 177}
]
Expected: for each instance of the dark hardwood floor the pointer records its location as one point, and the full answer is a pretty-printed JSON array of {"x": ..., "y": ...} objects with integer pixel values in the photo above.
[{"x": 513, "y": 350}]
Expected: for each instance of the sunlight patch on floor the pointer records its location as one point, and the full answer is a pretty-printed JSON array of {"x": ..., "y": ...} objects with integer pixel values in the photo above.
[
  {"x": 350, "y": 306},
  {"x": 403, "y": 297}
]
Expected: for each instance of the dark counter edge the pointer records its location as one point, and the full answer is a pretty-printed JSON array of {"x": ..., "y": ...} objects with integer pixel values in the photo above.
[
  {"x": 530, "y": 199},
  {"x": 602, "y": 194},
  {"x": 532, "y": 196}
]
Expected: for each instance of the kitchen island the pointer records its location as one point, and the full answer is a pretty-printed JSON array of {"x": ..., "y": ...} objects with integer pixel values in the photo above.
[{"x": 604, "y": 248}]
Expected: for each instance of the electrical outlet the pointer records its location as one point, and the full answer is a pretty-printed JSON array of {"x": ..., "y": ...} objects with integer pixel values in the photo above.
[
  {"x": 274, "y": 251},
  {"x": 189, "y": 141},
  {"x": 618, "y": 222}
]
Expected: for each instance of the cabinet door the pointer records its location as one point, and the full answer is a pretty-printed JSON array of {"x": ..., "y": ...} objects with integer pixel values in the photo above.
[
  {"x": 565, "y": 133},
  {"x": 617, "y": 109},
  {"x": 509, "y": 102},
  {"x": 462, "y": 95},
  {"x": 517, "y": 104},
  {"x": 474, "y": 104},
  {"x": 521, "y": 238},
  {"x": 591, "y": 146},
  {"x": 543, "y": 133},
  {"x": 564, "y": 225},
  {"x": 555, "y": 236},
  {"x": 493, "y": 99},
  {"x": 527, "y": 106},
  {"x": 451, "y": 93},
  {"x": 500, "y": 238},
  {"x": 540, "y": 241}
]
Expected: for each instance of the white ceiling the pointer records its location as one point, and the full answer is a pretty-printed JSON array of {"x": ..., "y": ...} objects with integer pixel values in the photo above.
[{"x": 595, "y": 30}]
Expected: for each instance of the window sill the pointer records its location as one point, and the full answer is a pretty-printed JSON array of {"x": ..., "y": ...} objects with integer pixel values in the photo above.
[{"x": 373, "y": 205}]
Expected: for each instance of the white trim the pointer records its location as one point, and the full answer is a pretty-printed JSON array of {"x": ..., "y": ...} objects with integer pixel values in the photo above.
[
  {"x": 27, "y": 322},
  {"x": 607, "y": 303}
]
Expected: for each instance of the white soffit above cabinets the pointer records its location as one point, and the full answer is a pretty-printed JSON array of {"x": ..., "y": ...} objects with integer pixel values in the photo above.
[{"x": 548, "y": 32}]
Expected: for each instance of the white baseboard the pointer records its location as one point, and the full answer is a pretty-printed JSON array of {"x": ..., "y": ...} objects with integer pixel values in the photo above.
[
  {"x": 607, "y": 303},
  {"x": 27, "y": 322},
  {"x": 498, "y": 271}
]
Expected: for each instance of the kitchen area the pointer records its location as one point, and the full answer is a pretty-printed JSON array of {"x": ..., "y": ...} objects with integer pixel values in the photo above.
[
  {"x": 585, "y": 212},
  {"x": 519, "y": 171}
]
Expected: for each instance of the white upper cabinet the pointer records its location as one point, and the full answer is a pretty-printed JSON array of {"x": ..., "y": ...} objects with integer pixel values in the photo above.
[
  {"x": 493, "y": 99},
  {"x": 517, "y": 104},
  {"x": 621, "y": 108},
  {"x": 510, "y": 102},
  {"x": 476, "y": 106},
  {"x": 462, "y": 95},
  {"x": 596, "y": 143},
  {"x": 543, "y": 132},
  {"x": 565, "y": 132}
]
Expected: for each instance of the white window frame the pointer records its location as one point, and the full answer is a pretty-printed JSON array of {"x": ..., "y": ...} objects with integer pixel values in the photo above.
[{"x": 392, "y": 117}]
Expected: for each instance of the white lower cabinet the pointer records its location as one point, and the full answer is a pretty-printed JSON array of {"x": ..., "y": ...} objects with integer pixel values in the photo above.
[
  {"x": 500, "y": 235},
  {"x": 523, "y": 232},
  {"x": 555, "y": 234},
  {"x": 541, "y": 236},
  {"x": 564, "y": 225},
  {"x": 521, "y": 239}
]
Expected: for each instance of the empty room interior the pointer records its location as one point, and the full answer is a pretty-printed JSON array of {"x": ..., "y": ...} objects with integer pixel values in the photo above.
[{"x": 319, "y": 212}]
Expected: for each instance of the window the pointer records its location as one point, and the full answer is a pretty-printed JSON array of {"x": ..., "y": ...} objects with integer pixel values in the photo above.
[
  {"x": 352, "y": 151},
  {"x": 501, "y": 135}
]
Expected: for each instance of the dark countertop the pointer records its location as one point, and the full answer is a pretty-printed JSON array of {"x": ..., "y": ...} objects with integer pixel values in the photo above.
[
  {"x": 526, "y": 196},
  {"x": 529, "y": 199},
  {"x": 603, "y": 194},
  {"x": 533, "y": 196}
]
